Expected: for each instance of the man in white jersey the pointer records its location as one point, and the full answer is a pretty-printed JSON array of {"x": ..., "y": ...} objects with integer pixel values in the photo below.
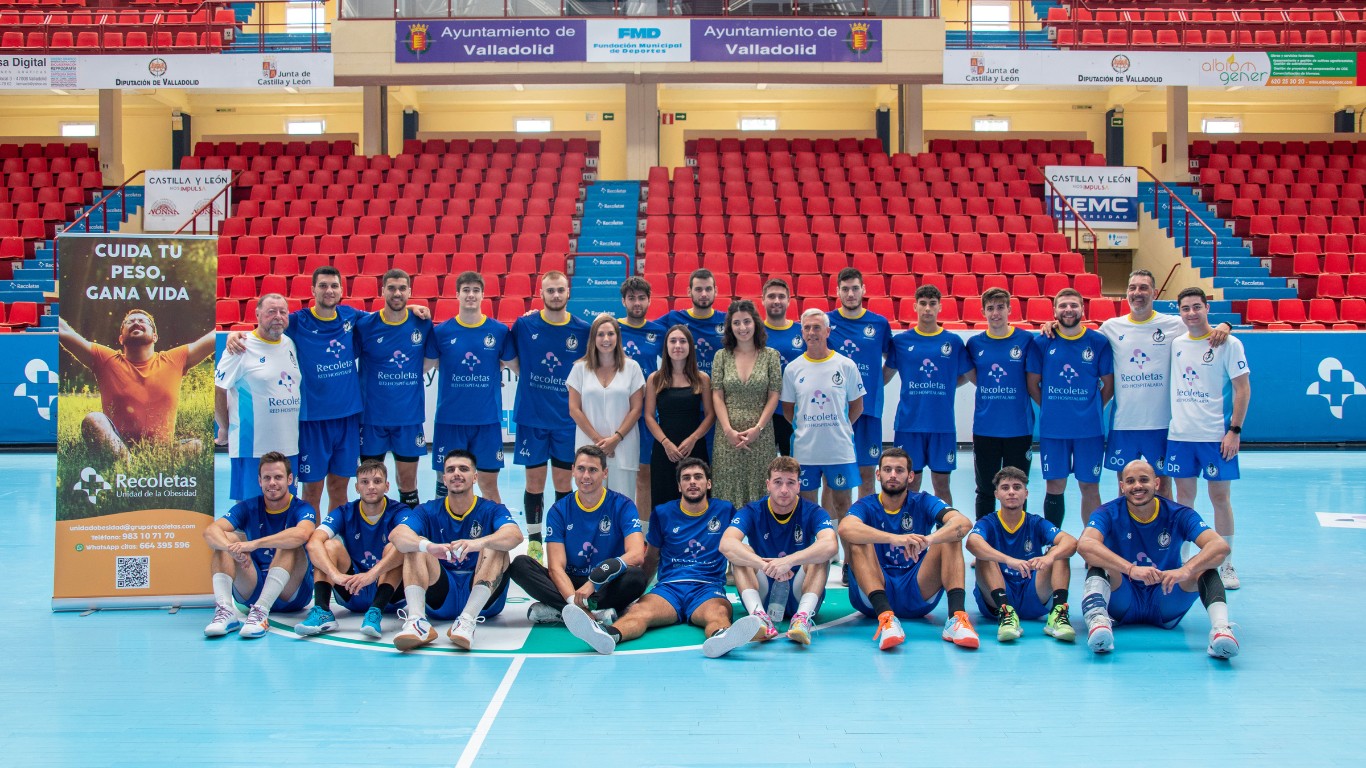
[
  {"x": 822, "y": 397},
  {"x": 258, "y": 394},
  {"x": 1202, "y": 438},
  {"x": 1141, "y": 343}
]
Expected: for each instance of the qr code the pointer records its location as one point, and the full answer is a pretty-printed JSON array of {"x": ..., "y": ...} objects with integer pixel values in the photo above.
[{"x": 133, "y": 572}]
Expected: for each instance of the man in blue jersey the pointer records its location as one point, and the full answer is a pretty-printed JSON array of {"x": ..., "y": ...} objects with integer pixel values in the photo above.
[
  {"x": 469, "y": 402},
  {"x": 785, "y": 336},
  {"x": 900, "y": 564},
  {"x": 1136, "y": 576},
  {"x": 708, "y": 328},
  {"x": 643, "y": 341},
  {"x": 541, "y": 349},
  {"x": 595, "y": 550},
  {"x": 257, "y": 397},
  {"x": 455, "y": 558},
  {"x": 864, "y": 337},
  {"x": 1003, "y": 414},
  {"x": 258, "y": 553},
  {"x": 933, "y": 364},
  {"x": 683, "y": 546},
  {"x": 394, "y": 347},
  {"x": 1071, "y": 377},
  {"x": 785, "y": 564},
  {"x": 1016, "y": 577},
  {"x": 352, "y": 556}
]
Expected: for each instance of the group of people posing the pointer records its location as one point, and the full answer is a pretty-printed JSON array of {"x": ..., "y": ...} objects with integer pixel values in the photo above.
[{"x": 673, "y": 430}]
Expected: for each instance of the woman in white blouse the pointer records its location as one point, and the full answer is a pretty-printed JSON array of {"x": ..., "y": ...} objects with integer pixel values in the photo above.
[{"x": 606, "y": 393}]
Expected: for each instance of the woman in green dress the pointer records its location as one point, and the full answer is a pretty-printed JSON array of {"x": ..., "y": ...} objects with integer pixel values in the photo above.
[{"x": 747, "y": 377}]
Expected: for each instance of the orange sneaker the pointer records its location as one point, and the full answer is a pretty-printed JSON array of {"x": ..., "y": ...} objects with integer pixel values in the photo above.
[
  {"x": 889, "y": 630},
  {"x": 958, "y": 630}
]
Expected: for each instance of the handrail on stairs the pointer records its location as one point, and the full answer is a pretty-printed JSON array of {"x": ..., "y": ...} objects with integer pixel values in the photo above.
[
  {"x": 1171, "y": 219},
  {"x": 1077, "y": 219},
  {"x": 120, "y": 190},
  {"x": 193, "y": 223}
]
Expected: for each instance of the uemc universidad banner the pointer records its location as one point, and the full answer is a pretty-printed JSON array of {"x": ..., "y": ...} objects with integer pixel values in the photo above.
[
  {"x": 1104, "y": 196},
  {"x": 135, "y": 420}
]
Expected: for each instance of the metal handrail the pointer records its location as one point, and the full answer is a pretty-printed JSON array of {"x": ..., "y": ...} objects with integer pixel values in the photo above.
[
  {"x": 193, "y": 223},
  {"x": 120, "y": 190},
  {"x": 1077, "y": 219},
  {"x": 1171, "y": 218}
]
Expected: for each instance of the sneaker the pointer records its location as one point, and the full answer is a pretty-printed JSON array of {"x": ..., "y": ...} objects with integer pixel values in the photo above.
[
  {"x": 370, "y": 626},
  {"x": 319, "y": 620},
  {"x": 1229, "y": 575},
  {"x": 1222, "y": 643},
  {"x": 1059, "y": 626},
  {"x": 605, "y": 616},
  {"x": 462, "y": 631},
  {"x": 844, "y": 573},
  {"x": 536, "y": 551},
  {"x": 540, "y": 613},
  {"x": 732, "y": 637},
  {"x": 583, "y": 626},
  {"x": 958, "y": 630},
  {"x": 224, "y": 621},
  {"x": 1009, "y": 628},
  {"x": 1100, "y": 633},
  {"x": 799, "y": 630},
  {"x": 416, "y": 631},
  {"x": 889, "y": 629},
  {"x": 769, "y": 630},
  {"x": 256, "y": 625}
]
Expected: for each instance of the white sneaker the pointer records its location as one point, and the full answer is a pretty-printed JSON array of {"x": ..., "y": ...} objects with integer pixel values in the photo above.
[
  {"x": 1229, "y": 575},
  {"x": 257, "y": 623},
  {"x": 462, "y": 631},
  {"x": 583, "y": 626},
  {"x": 1100, "y": 633},
  {"x": 224, "y": 621},
  {"x": 1222, "y": 643},
  {"x": 540, "y": 613},
  {"x": 732, "y": 637},
  {"x": 416, "y": 631},
  {"x": 605, "y": 616}
]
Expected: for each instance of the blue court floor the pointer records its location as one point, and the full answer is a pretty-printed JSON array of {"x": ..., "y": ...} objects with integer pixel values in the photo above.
[{"x": 144, "y": 688}]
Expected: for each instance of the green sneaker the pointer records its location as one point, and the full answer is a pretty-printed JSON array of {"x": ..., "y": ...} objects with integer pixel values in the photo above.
[
  {"x": 1058, "y": 626},
  {"x": 1010, "y": 625},
  {"x": 536, "y": 551}
]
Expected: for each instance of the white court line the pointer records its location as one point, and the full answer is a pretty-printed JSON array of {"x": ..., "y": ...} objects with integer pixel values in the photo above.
[{"x": 490, "y": 714}]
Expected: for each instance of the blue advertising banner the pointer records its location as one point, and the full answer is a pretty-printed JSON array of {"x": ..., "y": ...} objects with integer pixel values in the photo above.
[
  {"x": 782, "y": 40},
  {"x": 500, "y": 40},
  {"x": 1106, "y": 197},
  {"x": 28, "y": 377}
]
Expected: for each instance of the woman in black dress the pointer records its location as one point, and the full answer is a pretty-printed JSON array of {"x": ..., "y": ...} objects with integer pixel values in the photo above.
[{"x": 678, "y": 412}]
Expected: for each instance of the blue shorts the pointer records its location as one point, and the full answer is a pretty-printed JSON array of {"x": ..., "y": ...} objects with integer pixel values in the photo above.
[
  {"x": 794, "y": 595},
  {"x": 329, "y": 447},
  {"x": 459, "y": 584},
  {"x": 687, "y": 596},
  {"x": 841, "y": 477},
  {"x": 937, "y": 449},
  {"x": 245, "y": 478},
  {"x": 536, "y": 446},
  {"x": 647, "y": 442},
  {"x": 485, "y": 441},
  {"x": 296, "y": 603},
  {"x": 1127, "y": 445},
  {"x": 1142, "y": 604},
  {"x": 407, "y": 443},
  {"x": 1080, "y": 458},
  {"x": 1023, "y": 597},
  {"x": 903, "y": 592},
  {"x": 1191, "y": 459},
  {"x": 868, "y": 440},
  {"x": 360, "y": 602}
]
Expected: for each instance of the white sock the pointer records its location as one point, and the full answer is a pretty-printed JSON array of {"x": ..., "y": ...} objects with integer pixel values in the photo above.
[
  {"x": 1229, "y": 559},
  {"x": 533, "y": 528},
  {"x": 417, "y": 602},
  {"x": 479, "y": 597},
  {"x": 222, "y": 589},
  {"x": 753, "y": 603},
  {"x": 1095, "y": 596},
  {"x": 807, "y": 604},
  {"x": 645, "y": 527},
  {"x": 1218, "y": 614},
  {"x": 270, "y": 591}
]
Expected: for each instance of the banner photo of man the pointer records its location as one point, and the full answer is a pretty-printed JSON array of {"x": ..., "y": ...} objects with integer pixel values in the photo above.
[{"x": 134, "y": 420}]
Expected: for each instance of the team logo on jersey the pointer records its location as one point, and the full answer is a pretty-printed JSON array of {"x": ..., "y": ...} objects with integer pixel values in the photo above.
[
  {"x": 470, "y": 361},
  {"x": 952, "y": 457},
  {"x": 1190, "y": 376},
  {"x": 874, "y": 450},
  {"x": 571, "y": 343},
  {"x": 837, "y": 379},
  {"x": 1159, "y": 336},
  {"x": 287, "y": 382},
  {"x": 489, "y": 341},
  {"x": 416, "y": 337},
  {"x": 499, "y": 457},
  {"x": 605, "y": 524},
  {"x": 1139, "y": 358},
  {"x": 347, "y": 326},
  {"x": 1068, "y": 372},
  {"x": 551, "y": 361},
  {"x": 928, "y": 368},
  {"x": 1096, "y": 470},
  {"x": 996, "y": 373},
  {"x": 336, "y": 348},
  {"x": 720, "y": 329},
  {"x": 651, "y": 337},
  {"x": 1016, "y": 353},
  {"x": 869, "y": 331},
  {"x": 713, "y": 525},
  {"x": 839, "y": 481},
  {"x": 796, "y": 342},
  {"x": 421, "y": 441},
  {"x": 399, "y": 359},
  {"x": 946, "y": 349},
  {"x": 848, "y": 348},
  {"x": 476, "y": 530},
  {"x": 1208, "y": 356},
  {"x": 1211, "y": 471},
  {"x": 1029, "y": 546},
  {"x": 820, "y": 399},
  {"x": 1164, "y": 539},
  {"x": 1087, "y": 354},
  {"x": 798, "y": 534},
  {"x": 907, "y": 523}
]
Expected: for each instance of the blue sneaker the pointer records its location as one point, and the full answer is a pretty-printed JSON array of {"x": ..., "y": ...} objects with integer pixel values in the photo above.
[
  {"x": 319, "y": 620},
  {"x": 371, "y": 624}
]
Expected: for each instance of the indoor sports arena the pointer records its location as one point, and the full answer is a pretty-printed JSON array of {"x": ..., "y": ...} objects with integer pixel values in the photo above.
[{"x": 473, "y": 375}]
